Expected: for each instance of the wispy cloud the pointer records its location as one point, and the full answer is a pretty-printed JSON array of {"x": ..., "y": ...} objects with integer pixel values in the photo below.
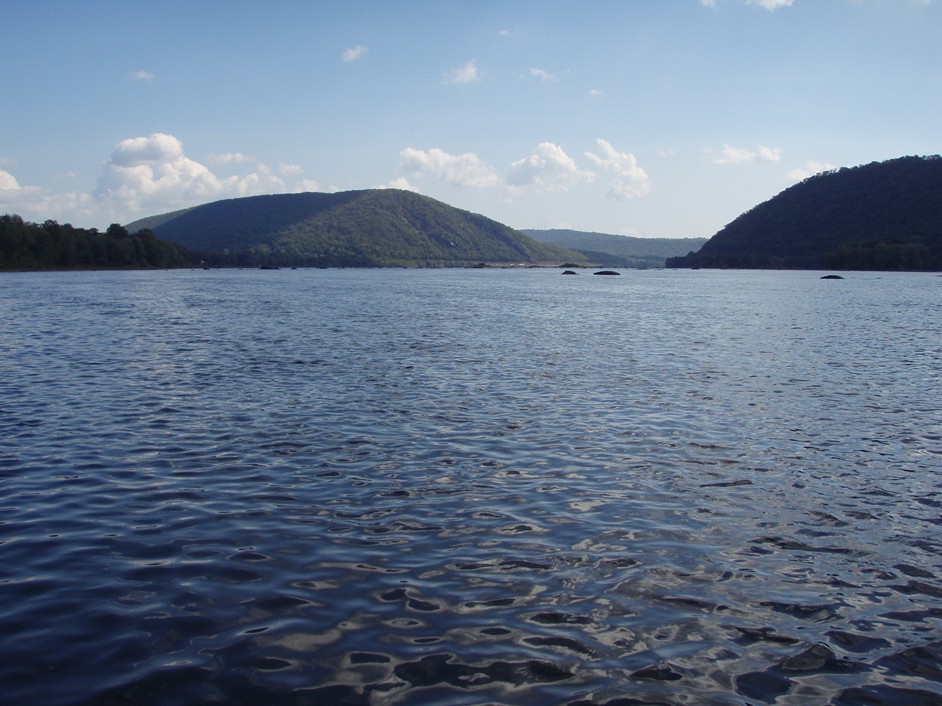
[
  {"x": 548, "y": 167},
  {"x": 354, "y": 53},
  {"x": 466, "y": 73},
  {"x": 543, "y": 75},
  {"x": 631, "y": 181},
  {"x": 742, "y": 155},
  {"x": 229, "y": 158},
  {"x": 465, "y": 170},
  {"x": 141, "y": 75},
  {"x": 771, "y": 5}
]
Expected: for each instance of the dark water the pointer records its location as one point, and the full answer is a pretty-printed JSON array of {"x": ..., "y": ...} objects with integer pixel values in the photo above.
[{"x": 467, "y": 487}]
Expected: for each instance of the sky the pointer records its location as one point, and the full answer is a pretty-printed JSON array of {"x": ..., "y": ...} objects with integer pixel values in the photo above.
[{"x": 652, "y": 118}]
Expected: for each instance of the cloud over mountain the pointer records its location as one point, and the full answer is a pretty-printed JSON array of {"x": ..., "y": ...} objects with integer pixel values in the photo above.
[
  {"x": 808, "y": 169},
  {"x": 458, "y": 170},
  {"x": 548, "y": 167},
  {"x": 153, "y": 173},
  {"x": 631, "y": 181}
]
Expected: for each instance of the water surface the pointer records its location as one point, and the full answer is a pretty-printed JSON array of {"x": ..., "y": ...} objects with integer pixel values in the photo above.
[{"x": 470, "y": 486}]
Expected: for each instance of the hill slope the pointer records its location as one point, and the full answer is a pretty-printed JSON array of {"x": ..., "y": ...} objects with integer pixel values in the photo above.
[
  {"x": 376, "y": 227},
  {"x": 879, "y": 216},
  {"x": 618, "y": 250}
]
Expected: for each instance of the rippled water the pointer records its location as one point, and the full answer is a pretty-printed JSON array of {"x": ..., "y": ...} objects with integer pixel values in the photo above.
[{"x": 464, "y": 487}]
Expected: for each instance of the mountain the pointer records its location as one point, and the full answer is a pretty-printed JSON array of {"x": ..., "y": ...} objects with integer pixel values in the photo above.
[
  {"x": 374, "y": 227},
  {"x": 878, "y": 216},
  {"x": 617, "y": 250}
]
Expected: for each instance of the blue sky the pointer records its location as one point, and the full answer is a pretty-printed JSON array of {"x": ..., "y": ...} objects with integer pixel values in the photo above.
[{"x": 659, "y": 118}]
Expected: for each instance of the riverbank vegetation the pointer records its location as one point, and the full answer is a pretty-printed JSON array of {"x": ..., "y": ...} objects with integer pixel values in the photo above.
[{"x": 54, "y": 246}]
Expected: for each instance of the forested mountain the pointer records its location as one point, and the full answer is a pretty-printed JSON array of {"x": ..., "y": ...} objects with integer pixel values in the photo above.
[
  {"x": 879, "y": 216},
  {"x": 375, "y": 227},
  {"x": 617, "y": 250},
  {"x": 51, "y": 246}
]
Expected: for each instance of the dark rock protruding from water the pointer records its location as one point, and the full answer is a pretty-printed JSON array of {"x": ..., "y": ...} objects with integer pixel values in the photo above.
[
  {"x": 606, "y": 272},
  {"x": 569, "y": 272},
  {"x": 832, "y": 277}
]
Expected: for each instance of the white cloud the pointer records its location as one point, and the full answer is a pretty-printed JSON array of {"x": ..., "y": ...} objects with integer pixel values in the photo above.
[
  {"x": 543, "y": 75},
  {"x": 548, "y": 167},
  {"x": 229, "y": 158},
  {"x": 141, "y": 75},
  {"x": 631, "y": 181},
  {"x": 771, "y": 5},
  {"x": 467, "y": 73},
  {"x": 152, "y": 174},
  {"x": 354, "y": 53},
  {"x": 36, "y": 204},
  {"x": 742, "y": 155},
  {"x": 809, "y": 169},
  {"x": 769, "y": 154},
  {"x": 401, "y": 183},
  {"x": 147, "y": 176},
  {"x": 157, "y": 148},
  {"x": 594, "y": 92},
  {"x": 8, "y": 182},
  {"x": 465, "y": 170}
]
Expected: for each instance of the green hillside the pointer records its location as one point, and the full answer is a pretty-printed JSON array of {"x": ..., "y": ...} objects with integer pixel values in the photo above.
[
  {"x": 618, "y": 250},
  {"x": 371, "y": 228},
  {"x": 879, "y": 216}
]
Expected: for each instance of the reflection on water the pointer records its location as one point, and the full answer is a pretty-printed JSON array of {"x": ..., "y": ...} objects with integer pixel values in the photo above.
[{"x": 412, "y": 487}]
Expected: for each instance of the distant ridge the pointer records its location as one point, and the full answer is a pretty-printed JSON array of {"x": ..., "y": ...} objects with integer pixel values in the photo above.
[
  {"x": 369, "y": 228},
  {"x": 618, "y": 250},
  {"x": 878, "y": 216}
]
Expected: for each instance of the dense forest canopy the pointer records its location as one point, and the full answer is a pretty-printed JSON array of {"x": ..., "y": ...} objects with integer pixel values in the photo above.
[
  {"x": 54, "y": 246},
  {"x": 373, "y": 227},
  {"x": 879, "y": 216}
]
